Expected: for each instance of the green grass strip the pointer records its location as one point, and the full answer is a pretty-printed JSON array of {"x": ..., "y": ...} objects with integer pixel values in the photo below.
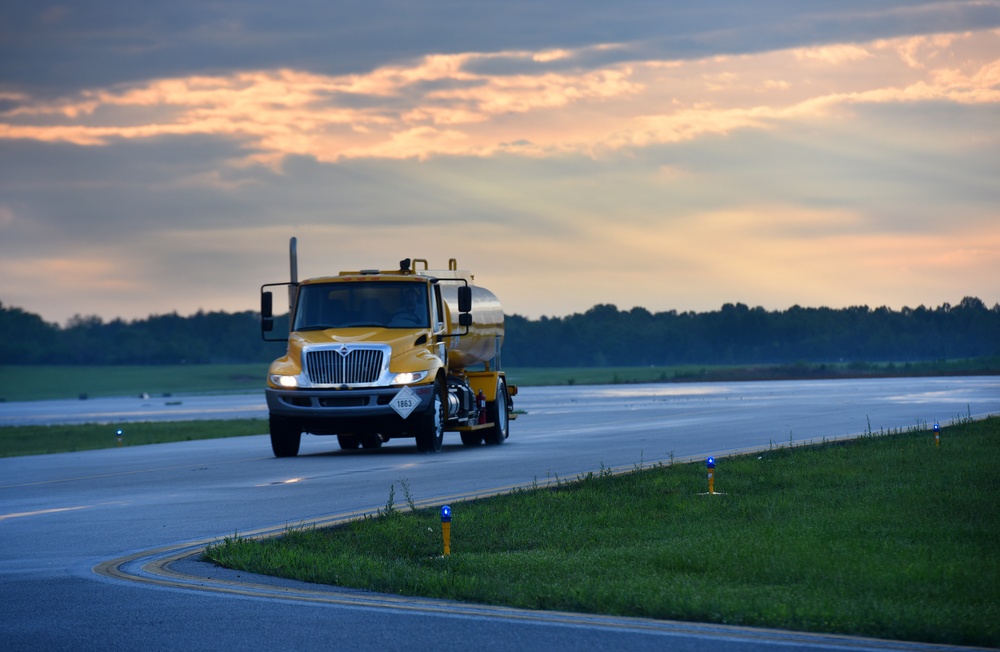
[
  {"x": 48, "y": 382},
  {"x": 884, "y": 536}
]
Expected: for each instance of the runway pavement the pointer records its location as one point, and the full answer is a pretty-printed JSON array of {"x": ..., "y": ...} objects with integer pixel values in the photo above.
[{"x": 96, "y": 545}]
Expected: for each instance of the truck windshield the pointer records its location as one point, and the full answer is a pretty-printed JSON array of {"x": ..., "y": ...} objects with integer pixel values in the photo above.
[{"x": 383, "y": 304}]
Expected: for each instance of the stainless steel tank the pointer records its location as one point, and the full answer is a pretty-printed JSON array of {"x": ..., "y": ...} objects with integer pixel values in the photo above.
[{"x": 482, "y": 344}]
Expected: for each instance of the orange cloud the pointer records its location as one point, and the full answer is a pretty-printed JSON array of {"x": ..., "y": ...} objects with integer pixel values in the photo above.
[{"x": 443, "y": 104}]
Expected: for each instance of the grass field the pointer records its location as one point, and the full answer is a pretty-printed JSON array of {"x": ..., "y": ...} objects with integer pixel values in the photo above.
[
  {"x": 884, "y": 536},
  {"x": 40, "y": 382}
]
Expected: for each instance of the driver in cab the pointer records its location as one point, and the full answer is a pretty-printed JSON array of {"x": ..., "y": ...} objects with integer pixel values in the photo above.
[{"x": 409, "y": 313}]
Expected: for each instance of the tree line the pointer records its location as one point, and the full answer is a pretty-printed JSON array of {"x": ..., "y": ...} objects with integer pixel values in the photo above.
[
  {"x": 737, "y": 334},
  {"x": 600, "y": 337},
  {"x": 203, "y": 338}
]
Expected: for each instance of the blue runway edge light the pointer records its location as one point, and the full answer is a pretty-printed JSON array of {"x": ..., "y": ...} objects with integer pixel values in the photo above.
[
  {"x": 446, "y": 514},
  {"x": 710, "y": 463}
]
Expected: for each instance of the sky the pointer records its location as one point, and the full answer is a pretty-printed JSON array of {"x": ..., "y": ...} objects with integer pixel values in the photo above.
[{"x": 156, "y": 157}]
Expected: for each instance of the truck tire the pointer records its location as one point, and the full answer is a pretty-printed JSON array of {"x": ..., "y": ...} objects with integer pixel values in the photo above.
[
  {"x": 472, "y": 438},
  {"x": 496, "y": 412},
  {"x": 348, "y": 442},
  {"x": 430, "y": 429},
  {"x": 371, "y": 441},
  {"x": 286, "y": 435}
]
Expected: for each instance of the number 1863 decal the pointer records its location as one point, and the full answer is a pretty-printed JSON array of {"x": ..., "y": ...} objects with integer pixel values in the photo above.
[{"x": 405, "y": 402}]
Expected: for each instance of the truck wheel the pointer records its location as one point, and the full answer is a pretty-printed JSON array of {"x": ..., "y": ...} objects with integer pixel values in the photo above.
[
  {"x": 348, "y": 442},
  {"x": 497, "y": 413},
  {"x": 430, "y": 432},
  {"x": 472, "y": 438},
  {"x": 286, "y": 434}
]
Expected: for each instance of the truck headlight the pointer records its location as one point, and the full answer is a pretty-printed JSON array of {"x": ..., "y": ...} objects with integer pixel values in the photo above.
[
  {"x": 284, "y": 381},
  {"x": 408, "y": 377}
]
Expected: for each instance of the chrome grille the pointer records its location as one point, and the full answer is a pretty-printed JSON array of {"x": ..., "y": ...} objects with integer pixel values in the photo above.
[{"x": 329, "y": 367}]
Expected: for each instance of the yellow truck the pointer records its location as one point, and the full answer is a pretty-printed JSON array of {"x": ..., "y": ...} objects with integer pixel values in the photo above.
[{"x": 380, "y": 354}]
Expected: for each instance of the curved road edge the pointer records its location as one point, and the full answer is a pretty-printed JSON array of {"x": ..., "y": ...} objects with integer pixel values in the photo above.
[{"x": 176, "y": 567}]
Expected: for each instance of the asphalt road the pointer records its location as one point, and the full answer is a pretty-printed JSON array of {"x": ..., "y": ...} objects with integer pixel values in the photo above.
[
  {"x": 96, "y": 545},
  {"x": 126, "y": 409}
]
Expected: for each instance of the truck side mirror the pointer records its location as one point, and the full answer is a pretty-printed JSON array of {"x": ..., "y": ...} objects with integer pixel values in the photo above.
[
  {"x": 266, "y": 311},
  {"x": 464, "y": 299}
]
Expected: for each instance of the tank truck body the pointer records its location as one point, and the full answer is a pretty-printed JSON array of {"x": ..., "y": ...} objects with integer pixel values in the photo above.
[{"x": 375, "y": 355}]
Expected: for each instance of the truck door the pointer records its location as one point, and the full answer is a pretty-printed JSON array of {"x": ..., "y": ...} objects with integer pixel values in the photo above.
[{"x": 438, "y": 321}]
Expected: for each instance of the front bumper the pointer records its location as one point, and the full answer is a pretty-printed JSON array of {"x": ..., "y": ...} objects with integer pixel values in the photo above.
[{"x": 342, "y": 410}]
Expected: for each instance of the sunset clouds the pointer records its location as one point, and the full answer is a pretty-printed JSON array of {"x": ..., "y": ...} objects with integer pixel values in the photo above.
[
  {"x": 833, "y": 173},
  {"x": 442, "y": 104}
]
